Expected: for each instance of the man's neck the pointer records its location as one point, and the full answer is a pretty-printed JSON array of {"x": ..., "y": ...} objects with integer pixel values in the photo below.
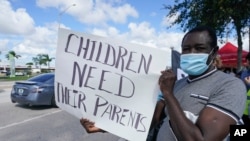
[{"x": 207, "y": 71}]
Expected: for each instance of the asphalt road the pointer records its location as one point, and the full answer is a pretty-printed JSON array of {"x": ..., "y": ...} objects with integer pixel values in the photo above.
[{"x": 40, "y": 123}]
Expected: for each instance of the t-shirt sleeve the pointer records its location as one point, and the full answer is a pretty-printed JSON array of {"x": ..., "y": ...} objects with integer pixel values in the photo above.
[{"x": 229, "y": 98}]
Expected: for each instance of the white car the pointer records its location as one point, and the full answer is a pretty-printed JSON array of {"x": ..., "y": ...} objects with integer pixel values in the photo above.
[{"x": 19, "y": 74}]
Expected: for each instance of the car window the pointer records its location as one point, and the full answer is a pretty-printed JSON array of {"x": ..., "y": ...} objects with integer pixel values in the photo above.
[
  {"x": 51, "y": 80},
  {"x": 44, "y": 78}
]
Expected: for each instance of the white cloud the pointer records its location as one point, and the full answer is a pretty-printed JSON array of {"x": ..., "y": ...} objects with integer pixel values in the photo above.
[
  {"x": 168, "y": 21},
  {"x": 14, "y": 22},
  {"x": 120, "y": 14},
  {"x": 141, "y": 30},
  {"x": 99, "y": 14},
  {"x": 42, "y": 41},
  {"x": 29, "y": 47},
  {"x": 3, "y": 44},
  {"x": 94, "y": 12},
  {"x": 50, "y": 3},
  {"x": 43, "y": 36},
  {"x": 99, "y": 32},
  {"x": 144, "y": 34},
  {"x": 171, "y": 39}
]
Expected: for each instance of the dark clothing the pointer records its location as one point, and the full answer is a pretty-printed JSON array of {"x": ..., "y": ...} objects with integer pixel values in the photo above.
[{"x": 244, "y": 74}]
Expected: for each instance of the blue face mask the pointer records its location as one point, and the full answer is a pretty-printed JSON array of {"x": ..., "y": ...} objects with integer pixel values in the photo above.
[{"x": 194, "y": 63}]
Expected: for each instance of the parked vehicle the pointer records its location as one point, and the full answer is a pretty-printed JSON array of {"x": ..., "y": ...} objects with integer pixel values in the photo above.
[
  {"x": 19, "y": 73},
  {"x": 38, "y": 90}
]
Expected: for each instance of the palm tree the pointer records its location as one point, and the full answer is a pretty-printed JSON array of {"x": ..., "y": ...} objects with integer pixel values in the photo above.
[
  {"x": 39, "y": 60},
  {"x": 47, "y": 59},
  {"x": 35, "y": 60},
  {"x": 13, "y": 53},
  {"x": 11, "y": 56}
]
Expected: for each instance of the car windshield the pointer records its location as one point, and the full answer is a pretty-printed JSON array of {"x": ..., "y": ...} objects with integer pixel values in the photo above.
[{"x": 42, "y": 78}]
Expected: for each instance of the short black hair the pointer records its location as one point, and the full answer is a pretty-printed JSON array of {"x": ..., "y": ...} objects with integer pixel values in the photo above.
[
  {"x": 211, "y": 32},
  {"x": 248, "y": 56}
]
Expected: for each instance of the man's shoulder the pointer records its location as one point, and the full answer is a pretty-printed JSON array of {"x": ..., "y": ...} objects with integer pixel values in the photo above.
[{"x": 224, "y": 77}]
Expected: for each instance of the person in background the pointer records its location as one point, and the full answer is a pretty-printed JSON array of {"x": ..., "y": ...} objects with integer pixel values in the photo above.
[
  {"x": 203, "y": 105},
  {"x": 217, "y": 62},
  {"x": 245, "y": 74},
  {"x": 245, "y": 77},
  {"x": 246, "y": 116}
]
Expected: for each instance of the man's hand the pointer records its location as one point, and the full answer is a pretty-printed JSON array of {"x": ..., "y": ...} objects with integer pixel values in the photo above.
[
  {"x": 247, "y": 80},
  {"x": 90, "y": 126},
  {"x": 166, "y": 82}
]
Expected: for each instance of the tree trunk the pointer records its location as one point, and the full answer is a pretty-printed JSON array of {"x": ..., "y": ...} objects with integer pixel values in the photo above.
[
  {"x": 239, "y": 38},
  {"x": 249, "y": 38}
]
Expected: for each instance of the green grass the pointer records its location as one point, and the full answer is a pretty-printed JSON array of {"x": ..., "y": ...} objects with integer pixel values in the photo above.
[{"x": 16, "y": 78}]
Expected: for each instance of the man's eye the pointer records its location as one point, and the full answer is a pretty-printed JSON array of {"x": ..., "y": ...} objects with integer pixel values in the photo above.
[
  {"x": 186, "y": 49},
  {"x": 199, "y": 48}
]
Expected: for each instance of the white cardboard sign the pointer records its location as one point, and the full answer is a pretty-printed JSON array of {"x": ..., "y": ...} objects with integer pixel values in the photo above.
[{"x": 112, "y": 83}]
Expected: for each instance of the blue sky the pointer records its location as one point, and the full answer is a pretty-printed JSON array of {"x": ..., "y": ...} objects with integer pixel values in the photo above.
[{"x": 29, "y": 27}]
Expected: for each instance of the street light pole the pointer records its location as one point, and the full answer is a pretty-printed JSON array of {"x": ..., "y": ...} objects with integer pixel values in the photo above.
[{"x": 61, "y": 13}]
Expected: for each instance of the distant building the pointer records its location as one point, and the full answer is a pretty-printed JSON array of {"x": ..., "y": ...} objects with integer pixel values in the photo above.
[{"x": 24, "y": 70}]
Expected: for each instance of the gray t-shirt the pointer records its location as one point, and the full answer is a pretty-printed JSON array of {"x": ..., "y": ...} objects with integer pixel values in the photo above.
[{"x": 215, "y": 89}]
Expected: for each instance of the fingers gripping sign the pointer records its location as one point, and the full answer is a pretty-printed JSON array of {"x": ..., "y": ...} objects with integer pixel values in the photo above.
[
  {"x": 167, "y": 81},
  {"x": 90, "y": 126}
]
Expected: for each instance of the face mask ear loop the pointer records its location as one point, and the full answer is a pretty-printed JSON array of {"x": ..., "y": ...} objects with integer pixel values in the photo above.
[{"x": 212, "y": 58}]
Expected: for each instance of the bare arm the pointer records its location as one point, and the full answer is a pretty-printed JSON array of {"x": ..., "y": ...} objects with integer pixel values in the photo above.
[{"x": 158, "y": 113}]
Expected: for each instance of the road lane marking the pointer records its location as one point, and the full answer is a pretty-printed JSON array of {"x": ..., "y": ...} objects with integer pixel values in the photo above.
[{"x": 27, "y": 120}]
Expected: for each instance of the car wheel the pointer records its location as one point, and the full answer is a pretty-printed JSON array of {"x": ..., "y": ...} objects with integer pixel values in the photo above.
[{"x": 53, "y": 101}]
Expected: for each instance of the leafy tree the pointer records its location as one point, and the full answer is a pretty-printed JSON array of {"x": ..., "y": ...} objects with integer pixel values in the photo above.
[
  {"x": 12, "y": 53},
  {"x": 39, "y": 60},
  {"x": 29, "y": 65},
  {"x": 47, "y": 59},
  {"x": 35, "y": 60},
  {"x": 223, "y": 15}
]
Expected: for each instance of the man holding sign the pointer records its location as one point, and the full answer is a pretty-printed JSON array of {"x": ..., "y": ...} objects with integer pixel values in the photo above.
[{"x": 203, "y": 105}]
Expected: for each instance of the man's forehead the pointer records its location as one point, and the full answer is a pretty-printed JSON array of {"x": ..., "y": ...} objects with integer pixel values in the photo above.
[{"x": 196, "y": 38}]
